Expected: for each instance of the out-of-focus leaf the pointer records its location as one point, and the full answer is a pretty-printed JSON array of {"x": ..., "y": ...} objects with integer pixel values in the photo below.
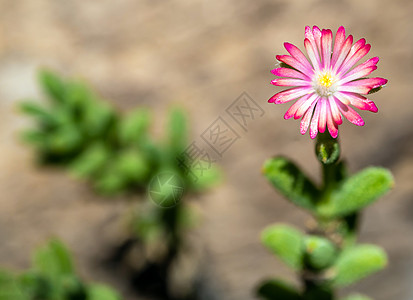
[
  {"x": 291, "y": 182},
  {"x": 98, "y": 117},
  {"x": 203, "y": 175},
  {"x": 102, "y": 292},
  {"x": 319, "y": 252},
  {"x": 133, "y": 166},
  {"x": 177, "y": 132},
  {"x": 318, "y": 292},
  {"x": 357, "y": 192},
  {"x": 53, "y": 259},
  {"x": 53, "y": 86},
  {"x": 276, "y": 289},
  {"x": 286, "y": 242},
  {"x": 9, "y": 288},
  {"x": 133, "y": 127},
  {"x": 64, "y": 141},
  {"x": 358, "y": 262},
  {"x": 91, "y": 161},
  {"x": 36, "y": 286},
  {"x": 356, "y": 297},
  {"x": 111, "y": 183},
  {"x": 36, "y": 110}
]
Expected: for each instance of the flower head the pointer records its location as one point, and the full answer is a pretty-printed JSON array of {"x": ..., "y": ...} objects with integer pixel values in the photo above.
[{"x": 328, "y": 83}]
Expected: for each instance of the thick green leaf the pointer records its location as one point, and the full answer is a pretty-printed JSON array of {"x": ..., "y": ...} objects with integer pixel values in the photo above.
[
  {"x": 318, "y": 292},
  {"x": 53, "y": 259},
  {"x": 357, "y": 192},
  {"x": 286, "y": 242},
  {"x": 64, "y": 141},
  {"x": 36, "y": 286},
  {"x": 291, "y": 182},
  {"x": 91, "y": 161},
  {"x": 356, "y": 297},
  {"x": 320, "y": 253},
  {"x": 275, "y": 289},
  {"x": 358, "y": 262},
  {"x": 102, "y": 292}
]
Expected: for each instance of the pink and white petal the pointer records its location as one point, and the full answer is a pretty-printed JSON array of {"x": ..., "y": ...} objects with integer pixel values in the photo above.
[
  {"x": 357, "y": 45},
  {"x": 311, "y": 100},
  {"x": 341, "y": 96},
  {"x": 372, "y": 62},
  {"x": 344, "y": 51},
  {"x": 290, "y": 82},
  {"x": 356, "y": 73},
  {"x": 297, "y": 54},
  {"x": 335, "y": 112},
  {"x": 360, "y": 86},
  {"x": 317, "y": 37},
  {"x": 312, "y": 54},
  {"x": 350, "y": 114},
  {"x": 361, "y": 89},
  {"x": 338, "y": 44},
  {"x": 291, "y": 61},
  {"x": 293, "y": 109},
  {"x": 331, "y": 125},
  {"x": 360, "y": 102},
  {"x": 310, "y": 37},
  {"x": 322, "y": 120},
  {"x": 290, "y": 94},
  {"x": 305, "y": 121},
  {"x": 350, "y": 61},
  {"x": 314, "y": 121},
  {"x": 326, "y": 45},
  {"x": 287, "y": 72}
]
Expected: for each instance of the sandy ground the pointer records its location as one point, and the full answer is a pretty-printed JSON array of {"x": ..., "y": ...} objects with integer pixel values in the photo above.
[{"x": 202, "y": 55}]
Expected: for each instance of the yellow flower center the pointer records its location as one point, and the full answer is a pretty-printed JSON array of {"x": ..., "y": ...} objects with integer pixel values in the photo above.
[
  {"x": 324, "y": 84},
  {"x": 325, "y": 80}
]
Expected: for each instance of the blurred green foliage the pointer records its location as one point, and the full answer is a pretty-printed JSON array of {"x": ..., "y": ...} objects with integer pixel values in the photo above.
[
  {"x": 328, "y": 257},
  {"x": 114, "y": 151},
  {"x": 51, "y": 277}
]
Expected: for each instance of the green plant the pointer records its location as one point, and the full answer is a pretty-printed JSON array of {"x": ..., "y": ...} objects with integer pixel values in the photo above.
[
  {"x": 328, "y": 256},
  {"x": 51, "y": 277}
]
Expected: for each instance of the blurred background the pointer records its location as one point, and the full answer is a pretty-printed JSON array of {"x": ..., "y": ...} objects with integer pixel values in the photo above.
[{"x": 201, "y": 55}]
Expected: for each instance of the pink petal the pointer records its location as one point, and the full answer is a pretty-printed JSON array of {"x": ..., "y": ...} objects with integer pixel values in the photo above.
[
  {"x": 362, "y": 86},
  {"x": 350, "y": 61},
  {"x": 360, "y": 102},
  {"x": 290, "y": 82},
  {"x": 310, "y": 37},
  {"x": 331, "y": 125},
  {"x": 293, "y": 109},
  {"x": 357, "y": 45},
  {"x": 305, "y": 121},
  {"x": 288, "y": 95},
  {"x": 344, "y": 51},
  {"x": 291, "y": 61},
  {"x": 326, "y": 45},
  {"x": 311, "y": 99},
  {"x": 314, "y": 121},
  {"x": 335, "y": 112},
  {"x": 350, "y": 114},
  {"x": 357, "y": 73},
  {"x": 312, "y": 54},
  {"x": 287, "y": 72},
  {"x": 317, "y": 37},
  {"x": 323, "y": 115},
  {"x": 297, "y": 54},
  {"x": 338, "y": 44}
]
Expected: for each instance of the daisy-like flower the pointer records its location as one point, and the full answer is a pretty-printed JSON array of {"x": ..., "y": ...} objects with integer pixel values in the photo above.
[{"x": 328, "y": 83}]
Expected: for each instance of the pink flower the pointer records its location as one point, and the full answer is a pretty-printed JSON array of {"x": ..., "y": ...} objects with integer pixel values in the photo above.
[{"x": 328, "y": 83}]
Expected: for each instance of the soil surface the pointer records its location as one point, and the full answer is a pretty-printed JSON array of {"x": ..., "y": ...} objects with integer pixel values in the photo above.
[{"x": 202, "y": 55}]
